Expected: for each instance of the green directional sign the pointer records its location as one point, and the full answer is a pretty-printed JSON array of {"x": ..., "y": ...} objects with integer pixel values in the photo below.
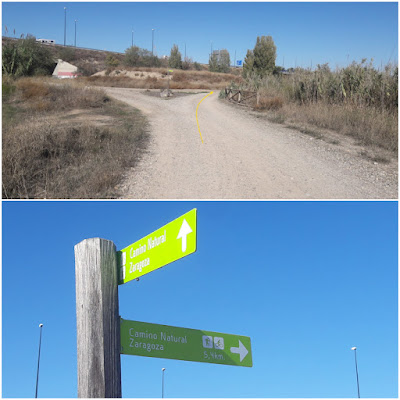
[
  {"x": 163, "y": 341},
  {"x": 175, "y": 240}
]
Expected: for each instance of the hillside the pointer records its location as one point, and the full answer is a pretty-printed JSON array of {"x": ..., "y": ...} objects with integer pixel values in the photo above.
[{"x": 88, "y": 60}]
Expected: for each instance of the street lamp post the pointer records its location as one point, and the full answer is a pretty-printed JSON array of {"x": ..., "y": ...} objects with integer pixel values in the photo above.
[
  {"x": 37, "y": 374},
  {"x": 162, "y": 386},
  {"x": 75, "y": 31},
  {"x": 355, "y": 358},
  {"x": 152, "y": 42},
  {"x": 65, "y": 25},
  {"x": 132, "y": 38}
]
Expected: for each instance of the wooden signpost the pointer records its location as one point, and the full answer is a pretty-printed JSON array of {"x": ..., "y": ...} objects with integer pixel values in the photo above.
[
  {"x": 97, "y": 315},
  {"x": 98, "y": 269}
]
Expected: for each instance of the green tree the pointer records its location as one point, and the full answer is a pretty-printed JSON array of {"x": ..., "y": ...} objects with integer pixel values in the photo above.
[
  {"x": 26, "y": 57},
  {"x": 248, "y": 65},
  {"x": 262, "y": 59},
  {"x": 148, "y": 60},
  {"x": 264, "y": 55},
  {"x": 224, "y": 61},
  {"x": 278, "y": 70},
  {"x": 175, "y": 58},
  {"x": 197, "y": 66},
  {"x": 213, "y": 63},
  {"x": 132, "y": 56},
  {"x": 111, "y": 61},
  {"x": 137, "y": 57},
  {"x": 219, "y": 61}
]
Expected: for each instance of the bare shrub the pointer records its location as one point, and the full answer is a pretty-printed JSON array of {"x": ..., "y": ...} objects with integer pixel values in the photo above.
[
  {"x": 32, "y": 89},
  {"x": 151, "y": 82},
  {"x": 88, "y": 68},
  {"x": 179, "y": 77},
  {"x": 269, "y": 103}
]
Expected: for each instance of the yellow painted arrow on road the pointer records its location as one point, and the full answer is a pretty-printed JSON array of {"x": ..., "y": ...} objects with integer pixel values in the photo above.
[{"x": 197, "y": 119}]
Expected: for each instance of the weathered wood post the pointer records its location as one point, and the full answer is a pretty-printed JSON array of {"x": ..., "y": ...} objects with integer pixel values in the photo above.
[
  {"x": 258, "y": 97},
  {"x": 98, "y": 323}
]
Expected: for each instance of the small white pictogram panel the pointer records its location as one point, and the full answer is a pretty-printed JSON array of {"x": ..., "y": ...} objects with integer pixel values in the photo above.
[
  {"x": 208, "y": 342},
  {"x": 219, "y": 343}
]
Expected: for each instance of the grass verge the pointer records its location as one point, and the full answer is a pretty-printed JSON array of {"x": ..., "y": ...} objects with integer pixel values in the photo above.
[
  {"x": 61, "y": 141},
  {"x": 368, "y": 127}
]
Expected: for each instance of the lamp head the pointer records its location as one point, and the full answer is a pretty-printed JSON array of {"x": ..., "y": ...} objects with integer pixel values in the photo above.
[
  {"x": 163, "y": 369},
  {"x": 40, "y": 325},
  {"x": 354, "y": 348}
]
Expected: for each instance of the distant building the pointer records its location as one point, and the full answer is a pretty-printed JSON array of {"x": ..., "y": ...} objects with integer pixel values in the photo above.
[
  {"x": 65, "y": 70},
  {"x": 46, "y": 41}
]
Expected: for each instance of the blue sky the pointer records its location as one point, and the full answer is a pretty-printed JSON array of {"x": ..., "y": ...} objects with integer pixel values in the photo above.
[
  {"x": 305, "y": 281},
  {"x": 305, "y": 34}
]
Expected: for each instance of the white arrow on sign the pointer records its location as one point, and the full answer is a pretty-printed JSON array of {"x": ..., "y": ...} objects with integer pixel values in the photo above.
[
  {"x": 241, "y": 350},
  {"x": 183, "y": 232}
]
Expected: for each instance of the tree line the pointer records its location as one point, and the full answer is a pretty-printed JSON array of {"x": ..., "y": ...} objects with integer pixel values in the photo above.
[{"x": 26, "y": 57}]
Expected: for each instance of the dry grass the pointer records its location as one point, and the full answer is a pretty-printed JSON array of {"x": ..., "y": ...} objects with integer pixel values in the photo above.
[
  {"x": 368, "y": 126},
  {"x": 269, "y": 103},
  {"x": 32, "y": 89},
  {"x": 357, "y": 101},
  {"x": 61, "y": 141},
  {"x": 179, "y": 80}
]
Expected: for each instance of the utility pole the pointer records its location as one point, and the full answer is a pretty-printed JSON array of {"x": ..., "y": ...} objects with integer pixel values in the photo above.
[
  {"x": 152, "y": 42},
  {"x": 65, "y": 25},
  {"x": 132, "y": 38},
  {"x": 75, "y": 32},
  {"x": 355, "y": 358},
  {"x": 38, "y": 363},
  {"x": 98, "y": 321},
  {"x": 162, "y": 385}
]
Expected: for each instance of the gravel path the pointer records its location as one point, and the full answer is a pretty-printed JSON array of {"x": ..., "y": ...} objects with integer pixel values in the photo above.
[{"x": 242, "y": 157}]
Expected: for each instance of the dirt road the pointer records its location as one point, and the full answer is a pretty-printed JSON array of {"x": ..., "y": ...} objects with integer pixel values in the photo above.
[{"x": 242, "y": 157}]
